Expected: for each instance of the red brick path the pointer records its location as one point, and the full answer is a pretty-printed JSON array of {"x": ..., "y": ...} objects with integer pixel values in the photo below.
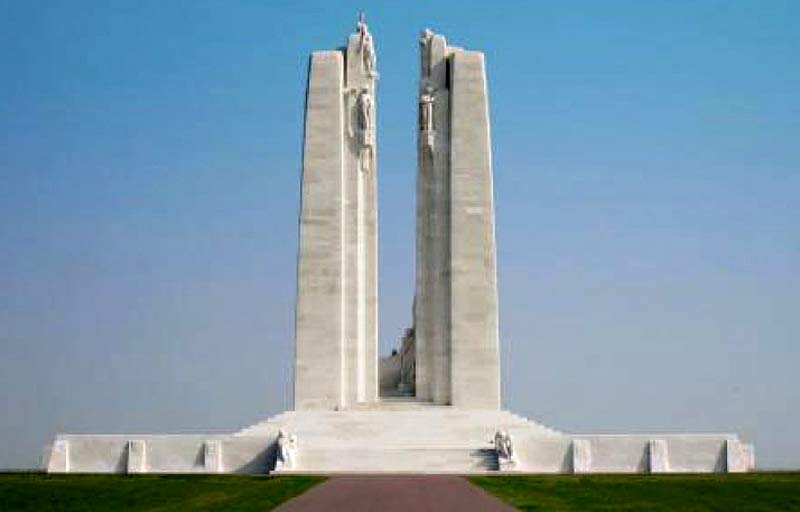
[{"x": 418, "y": 493}]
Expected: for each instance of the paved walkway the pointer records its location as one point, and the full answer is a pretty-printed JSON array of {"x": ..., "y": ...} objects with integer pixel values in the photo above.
[{"x": 418, "y": 493}]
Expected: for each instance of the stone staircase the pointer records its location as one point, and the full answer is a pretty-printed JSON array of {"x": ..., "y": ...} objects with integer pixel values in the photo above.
[{"x": 396, "y": 436}]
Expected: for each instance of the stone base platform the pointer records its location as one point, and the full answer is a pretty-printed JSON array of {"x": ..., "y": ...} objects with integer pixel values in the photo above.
[{"x": 397, "y": 437}]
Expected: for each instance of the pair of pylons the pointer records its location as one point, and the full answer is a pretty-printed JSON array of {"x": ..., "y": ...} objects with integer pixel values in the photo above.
[{"x": 455, "y": 351}]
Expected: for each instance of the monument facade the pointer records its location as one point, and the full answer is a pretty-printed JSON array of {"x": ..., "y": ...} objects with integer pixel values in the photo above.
[{"x": 434, "y": 405}]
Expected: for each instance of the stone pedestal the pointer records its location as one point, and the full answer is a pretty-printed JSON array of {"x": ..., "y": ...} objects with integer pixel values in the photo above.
[
  {"x": 739, "y": 456},
  {"x": 137, "y": 456},
  {"x": 581, "y": 456},
  {"x": 212, "y": 456},
  {"x": 658, "y": 456}
]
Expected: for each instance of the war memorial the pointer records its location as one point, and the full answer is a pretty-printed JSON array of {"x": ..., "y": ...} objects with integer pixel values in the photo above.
[{"x": 434, "y": 406}]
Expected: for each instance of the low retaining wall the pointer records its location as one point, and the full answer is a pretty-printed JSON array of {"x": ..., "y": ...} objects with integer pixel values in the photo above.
[
  {"x": 696, "y": 453},
  {"x": 161, "y": 454}
]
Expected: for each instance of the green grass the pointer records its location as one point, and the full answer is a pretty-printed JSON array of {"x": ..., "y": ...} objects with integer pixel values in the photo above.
[
  {"x": 162, "y": 493},
  {"x": 686, "y": 493}
]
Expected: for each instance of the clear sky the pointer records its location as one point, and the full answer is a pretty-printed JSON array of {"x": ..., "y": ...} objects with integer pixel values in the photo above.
[{"x": 647, "y": 175}]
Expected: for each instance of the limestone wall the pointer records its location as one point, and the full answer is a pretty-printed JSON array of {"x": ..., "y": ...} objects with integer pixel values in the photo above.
[
  {"x": 162, "y": 454},
  {"x": 320, "y": 310},
  {"x": 473, "y": 267},
  {"x": 632, "y": 453},
  {"x": 455, "y": 313},
  {"x": 337, "y": 281},
  {"x": 421, "y": 441}
]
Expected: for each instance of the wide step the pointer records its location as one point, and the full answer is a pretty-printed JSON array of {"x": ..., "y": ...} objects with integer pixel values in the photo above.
[{"x": 421, "y": 459}]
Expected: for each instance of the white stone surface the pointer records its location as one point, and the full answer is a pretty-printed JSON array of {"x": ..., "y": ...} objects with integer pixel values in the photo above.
[
  {"x": 188, "y": 453},
  {"x": 613, "y": 454},
  {"x": 98, "y": 454},
  {"x": 320, "y": 310},
  {"x": 337, "y": 305},
  {"x": 249, "y": 454},
  {"x": 360, "y": 225},
  {"x": 59, "y": 457},
  {"x": 398, "y": 437},
  {"x": 538, "y": 454},
  {"x": 177, "y": 454},
  {"x": 433, "y": 286},
  {"x": 455, "y": 313},
  {"x": 402, "y": 436},
  {"x": 740, "y": 456},
  {"x": 475, "y": 365},
  {"x": 697, "y": 454}
]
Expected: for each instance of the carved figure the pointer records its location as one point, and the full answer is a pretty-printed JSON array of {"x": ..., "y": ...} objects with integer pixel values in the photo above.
[
  {"x": 366, "y": 47},
  {"x": 364, "y": 119},
  {"x": 504, "y": 447},
  {"x": 426, "y": 126},
  {"x": 425, "y": 38},
  {"x": 361, "y": 126},
  {"x": 364, "y": 110},
  {"x": 365, "y": 160},
  {"x": 361, "y": 22},
  {"x": 426, "y": 110},
  {"x": 287, "y": 450}
]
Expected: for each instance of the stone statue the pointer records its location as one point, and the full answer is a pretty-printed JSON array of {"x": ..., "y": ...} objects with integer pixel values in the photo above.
[
  {"x": 364, "y": 110},
  {"x": 361, "y": 23},
  {"x": 426, "y": 109},
  {"x": 425, "y": 38},
  {"x": 287, "y": 451},
  {"x": 426, "y": 127},
  {"x": 503, "y": 446},
  {"x": 368, "y": 59},
  {"x": 364, "y": 119},
  {"x": 365, "y": 160},
  {"x": 362, "y": 126},
  {"x": 426, "y": 94}
]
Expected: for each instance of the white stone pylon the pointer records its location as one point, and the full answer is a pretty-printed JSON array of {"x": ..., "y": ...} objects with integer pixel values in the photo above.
[
  {"x": 337, "y": 303},
  {"x": 455, "y": 313}
]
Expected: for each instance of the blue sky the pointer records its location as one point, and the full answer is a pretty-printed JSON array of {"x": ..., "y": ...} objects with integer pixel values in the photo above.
[{"x": 647, "y": 174}]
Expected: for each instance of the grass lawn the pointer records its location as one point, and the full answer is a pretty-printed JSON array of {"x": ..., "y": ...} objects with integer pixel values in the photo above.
[
  {"x": 163, "y": 493},
  {"x": 685, "y": 493}
]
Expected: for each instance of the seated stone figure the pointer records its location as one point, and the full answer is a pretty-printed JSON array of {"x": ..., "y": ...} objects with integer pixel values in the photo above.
[
  {"x": 287, "y": 451},
  {"x": 504, "y": 447}
]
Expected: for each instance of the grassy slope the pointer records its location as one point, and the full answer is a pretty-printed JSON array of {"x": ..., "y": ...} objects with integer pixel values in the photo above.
[
  {"x": 162, "y": 493},
  {"x": 687, "y": 493}
]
